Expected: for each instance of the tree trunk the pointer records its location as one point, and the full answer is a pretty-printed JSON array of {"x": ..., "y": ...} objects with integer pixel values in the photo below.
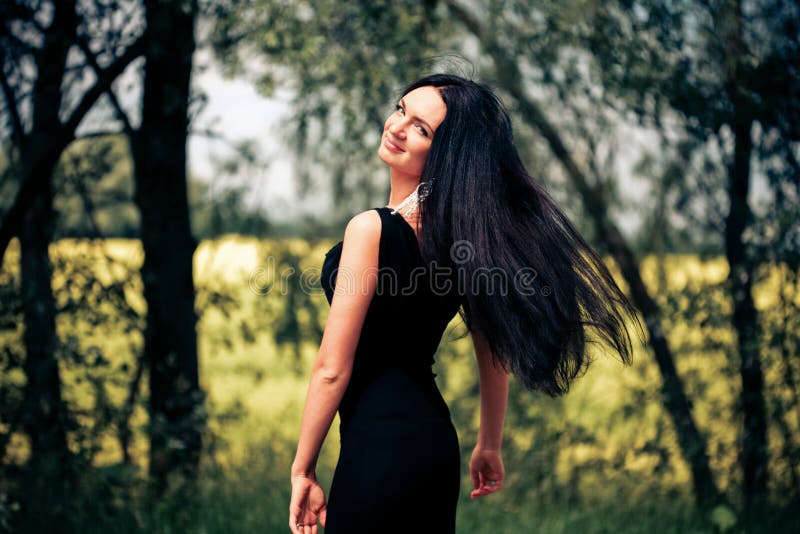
[
  {"x": 159, "y": 149},
  {"x": 745, "y": 323},
  {"x": 43, "y": 412},
  {"x": 46, "y": 486},
  {"x": 741, "y": 268}
]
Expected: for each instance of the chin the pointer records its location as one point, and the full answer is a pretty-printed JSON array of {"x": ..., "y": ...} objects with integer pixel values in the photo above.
[{"x": 385, "y": 155}]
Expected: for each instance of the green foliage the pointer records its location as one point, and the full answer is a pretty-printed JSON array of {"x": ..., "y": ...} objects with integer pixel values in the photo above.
[
  {"x": 94, "y": 194},
  {"x": 602, "y": 459},
  {"x": 344, "y": 63},
  {"x": 699, "y": 57},
  {"x": 214, "y": 215},
  {"x": 690, "y": 71},
  {"x": 94, "y": 189},
  {"x": 723, "y": 518}
]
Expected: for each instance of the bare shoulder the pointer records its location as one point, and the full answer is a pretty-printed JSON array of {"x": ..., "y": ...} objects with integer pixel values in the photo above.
[
  {"x": 360, "y": 256},
  {"x": 363, "y": 235},
  {"x": 361, "y": 241},
  {"x": 364, "y": 225}
]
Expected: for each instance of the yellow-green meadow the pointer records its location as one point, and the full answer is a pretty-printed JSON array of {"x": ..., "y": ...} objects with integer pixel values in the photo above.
[{"x": 607, "y": 448}]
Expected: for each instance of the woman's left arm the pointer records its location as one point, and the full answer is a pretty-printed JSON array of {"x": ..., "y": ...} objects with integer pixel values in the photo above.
[
  {"x": 493, "y": 386},
  {"x": 356, "y": 282},
  {"x": 486, "y": 464}
]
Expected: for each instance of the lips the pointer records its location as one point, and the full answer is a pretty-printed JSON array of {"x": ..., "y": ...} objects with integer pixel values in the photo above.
[{"x": 391, "y": 146}]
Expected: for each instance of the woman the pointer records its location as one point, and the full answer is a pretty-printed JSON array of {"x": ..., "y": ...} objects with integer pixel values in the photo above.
[{"x": 462, "y": 206}]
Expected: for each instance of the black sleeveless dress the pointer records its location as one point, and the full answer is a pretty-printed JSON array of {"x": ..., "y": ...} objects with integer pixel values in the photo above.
[{"x": 399, "y": 467}]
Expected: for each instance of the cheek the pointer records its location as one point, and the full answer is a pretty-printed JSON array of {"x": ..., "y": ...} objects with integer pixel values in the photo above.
[{"x": 421, "y": 152}]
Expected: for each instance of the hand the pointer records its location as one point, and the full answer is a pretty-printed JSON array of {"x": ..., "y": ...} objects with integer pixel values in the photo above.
[
  {"x": 307, "y": 505},
  {"x": 486, "y": 470}
]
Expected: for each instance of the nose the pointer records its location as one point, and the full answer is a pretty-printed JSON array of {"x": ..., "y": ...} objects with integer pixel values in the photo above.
[{"x": 397, "y": 130}]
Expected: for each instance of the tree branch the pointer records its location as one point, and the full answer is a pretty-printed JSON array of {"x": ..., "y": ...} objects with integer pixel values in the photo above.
[
  {"x": 99, "y": 133},
  {"x": 60, "y": 140},
  {"x": 92, "y": 60},
  {"x": 16, "y": 123},
  {"x": 104, "y": 79}
]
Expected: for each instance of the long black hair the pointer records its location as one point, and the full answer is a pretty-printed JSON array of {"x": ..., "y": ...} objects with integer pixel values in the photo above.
[{"x": 486, "y": 216}]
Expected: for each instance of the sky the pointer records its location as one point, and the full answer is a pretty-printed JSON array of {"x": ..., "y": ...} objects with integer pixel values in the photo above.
[{"x": 236, "y": 111}]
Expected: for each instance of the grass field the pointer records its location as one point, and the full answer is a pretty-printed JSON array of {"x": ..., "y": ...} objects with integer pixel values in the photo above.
[{"x": 603, "y": 458}]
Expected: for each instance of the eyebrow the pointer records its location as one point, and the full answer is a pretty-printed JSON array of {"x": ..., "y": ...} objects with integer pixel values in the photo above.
[{"x": 403, "y": 103}]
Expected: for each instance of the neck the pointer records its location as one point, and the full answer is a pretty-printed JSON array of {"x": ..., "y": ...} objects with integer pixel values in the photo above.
[{"x": 401, "y": 186}]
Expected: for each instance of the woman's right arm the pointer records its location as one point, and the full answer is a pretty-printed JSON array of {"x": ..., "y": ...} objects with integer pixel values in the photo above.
[{"x": 356, "y": 281}]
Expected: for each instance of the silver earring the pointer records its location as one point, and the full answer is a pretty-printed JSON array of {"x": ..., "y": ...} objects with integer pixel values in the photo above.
[{"x": 411, "y": 202}]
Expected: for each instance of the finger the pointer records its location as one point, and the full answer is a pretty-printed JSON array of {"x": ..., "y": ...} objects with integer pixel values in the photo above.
[
  {"x": 493, "y": 484},
  {"x": 299, "y": 519},
  {"x": 323, "y": 515},
  {"x": 492, "y": 489},
  {"x": 295, "y": 512},
  {"x": 485, "y": 488},
  {"x": 477, "y": 493},
  {"x": 473, "y": 474}
]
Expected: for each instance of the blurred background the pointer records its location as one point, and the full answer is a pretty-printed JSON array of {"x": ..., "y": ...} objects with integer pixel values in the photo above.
[{"x": 172, "y": 173}]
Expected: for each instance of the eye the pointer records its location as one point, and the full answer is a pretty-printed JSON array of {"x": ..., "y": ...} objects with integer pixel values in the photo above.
[
  {"x": 398, "y": 107},
  {"x": 422, "y": 130}
]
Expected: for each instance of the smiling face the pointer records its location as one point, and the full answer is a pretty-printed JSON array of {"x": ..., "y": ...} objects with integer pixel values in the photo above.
[{"x": 407, "y": 133}]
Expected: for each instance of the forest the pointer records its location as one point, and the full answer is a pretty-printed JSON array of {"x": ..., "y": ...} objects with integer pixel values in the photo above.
[{"x": 154, "y": 352}]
